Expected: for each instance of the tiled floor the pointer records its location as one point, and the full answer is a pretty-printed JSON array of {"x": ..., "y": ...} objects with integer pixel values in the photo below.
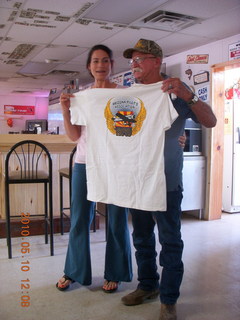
[{"x": 210, "y": 289}]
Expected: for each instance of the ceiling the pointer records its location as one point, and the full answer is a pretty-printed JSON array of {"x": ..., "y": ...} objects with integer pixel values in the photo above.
[{"x": 44, "y": 44}]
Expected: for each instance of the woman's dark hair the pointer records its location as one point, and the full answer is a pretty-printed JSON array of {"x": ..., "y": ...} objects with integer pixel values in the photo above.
[{"x": 98, "y": 47}]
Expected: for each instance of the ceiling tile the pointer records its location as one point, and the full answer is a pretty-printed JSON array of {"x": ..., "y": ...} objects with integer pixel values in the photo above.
[
  {"x": 201, "y": 9},
  {"x": 96, "y": 32},
  {"x": 60, "y": 53}
]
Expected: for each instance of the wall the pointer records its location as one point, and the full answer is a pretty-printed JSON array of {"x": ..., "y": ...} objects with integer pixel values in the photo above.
[
  {"x": 218, "y": 52},
  {"x": 176, "y": 66},
  {"x": 41, "y": 111},
  {"x": 55, "y": 118}
]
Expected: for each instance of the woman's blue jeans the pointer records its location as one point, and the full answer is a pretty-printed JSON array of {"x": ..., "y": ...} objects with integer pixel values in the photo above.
[
  {"x": 169, "y": 233},
  {"x": 118, "y": 264}
]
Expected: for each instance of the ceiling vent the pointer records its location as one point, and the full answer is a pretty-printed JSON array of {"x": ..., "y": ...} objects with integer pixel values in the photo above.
[
  {"x": 62, "y": 18},
  {"x": 168, "y": 21},
  {"x": 21, "y": 91},
  {"x": 4, "y": 79},
  {"x": 37, "y": 68},
  {"x": 21, "y": 51},
  {"x": 12, "y": 16},
  {"x": 27, "y": 14},
  {"x": 85, "y": 22},
  {"x": 84, "y": 8}
]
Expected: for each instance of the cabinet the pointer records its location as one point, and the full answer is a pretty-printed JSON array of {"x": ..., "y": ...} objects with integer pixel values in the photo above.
[{"x": 194, "y": 169}]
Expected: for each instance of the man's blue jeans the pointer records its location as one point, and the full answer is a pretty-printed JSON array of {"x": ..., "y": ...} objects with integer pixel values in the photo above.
[{"x": 169, "y": 232}]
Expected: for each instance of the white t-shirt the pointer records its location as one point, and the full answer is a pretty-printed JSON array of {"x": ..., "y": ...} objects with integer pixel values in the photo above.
[
  {"x": 125, "y": 144},
  {"x": 80, "y": 156}
]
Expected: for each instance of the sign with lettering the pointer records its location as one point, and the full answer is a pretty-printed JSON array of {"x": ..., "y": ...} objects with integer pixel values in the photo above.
[
  {"x": 128, "y": 79},
  {"x": 234, "y": 51},
  {"x": 118, "y": 79},
  {"x": 203, "y": 93},
  {"x": 201, "y": 77},
  {"x": 23, "y": 110},
  {"x": 197, "y": 58}
]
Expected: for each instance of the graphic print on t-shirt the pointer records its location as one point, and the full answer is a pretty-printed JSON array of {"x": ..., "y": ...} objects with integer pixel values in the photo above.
[{"x": 125, "y": 115}]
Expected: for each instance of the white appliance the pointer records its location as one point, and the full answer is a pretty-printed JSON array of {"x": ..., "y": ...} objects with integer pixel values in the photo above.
[
  {"x": 194, "y": 168},
  {"x": 231, "y": 171}
]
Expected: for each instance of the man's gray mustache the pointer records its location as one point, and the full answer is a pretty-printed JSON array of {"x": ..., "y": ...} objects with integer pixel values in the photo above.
[{"x": 137, "y": 69}]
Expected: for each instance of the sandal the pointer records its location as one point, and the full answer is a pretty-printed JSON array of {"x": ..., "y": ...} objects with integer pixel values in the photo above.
[
  {"x": 110, "y": 286},
  {"x": 66, "y": 278}
]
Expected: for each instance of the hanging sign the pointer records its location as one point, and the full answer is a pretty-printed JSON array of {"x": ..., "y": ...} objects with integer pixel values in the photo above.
[
  {"x": 197, "y": 58},
  {"x": 128, "y": 79},
  {"x": 118, "y": 79},
  {"x": 203, "y": 93},
  {"x": 201, "y": 77},
  {"x": 228, "y": 117},
  {"x": 23, "y": 110},
  {"x": 234, "y": 51}
]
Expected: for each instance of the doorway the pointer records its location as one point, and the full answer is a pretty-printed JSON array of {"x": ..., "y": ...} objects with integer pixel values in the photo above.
[{"x": 214, "y": 199}]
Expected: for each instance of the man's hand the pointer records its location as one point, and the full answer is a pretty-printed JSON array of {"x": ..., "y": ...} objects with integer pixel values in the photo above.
[
  {"x": 201, "y": 109},
  {"x": 175, "y": 85}
]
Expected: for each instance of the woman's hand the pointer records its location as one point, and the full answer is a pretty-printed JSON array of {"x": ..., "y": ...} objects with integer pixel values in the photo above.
[
  {"x": 72, "y": 131},
  {"x": 65, "y": 101},
  {"x": 182, "y": 140}
]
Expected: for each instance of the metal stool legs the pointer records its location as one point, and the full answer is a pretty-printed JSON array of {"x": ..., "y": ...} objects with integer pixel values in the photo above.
[
  {"x": 8, "y": 227},
  {"x": 48, "y": 219},
  {"x": 61, "y": 204}
]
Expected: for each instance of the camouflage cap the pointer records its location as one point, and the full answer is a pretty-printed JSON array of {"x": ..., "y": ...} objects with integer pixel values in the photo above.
[{"x": 144, "y": 46}]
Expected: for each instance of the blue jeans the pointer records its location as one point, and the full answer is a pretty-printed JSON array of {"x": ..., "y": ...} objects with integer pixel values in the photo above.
[
  {"x": 118, "y": 264},
  {"x": 169, "y": 233}
]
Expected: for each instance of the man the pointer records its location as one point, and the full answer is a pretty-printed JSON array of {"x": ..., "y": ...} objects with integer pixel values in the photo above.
[{"x": 146, "y": 58}]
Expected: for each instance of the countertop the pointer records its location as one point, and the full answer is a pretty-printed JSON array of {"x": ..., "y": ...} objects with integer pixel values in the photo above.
[{"x": 54, "y": 143}]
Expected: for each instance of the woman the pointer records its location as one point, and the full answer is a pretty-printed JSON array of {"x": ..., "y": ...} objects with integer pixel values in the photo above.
[{"x": 118, "y": 266}]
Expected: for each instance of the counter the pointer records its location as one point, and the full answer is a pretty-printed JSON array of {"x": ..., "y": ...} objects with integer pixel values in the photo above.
[
  {"x": 194, "y": 183},
  {"x": 28, "y": 197},
  {"x": 54, "y": 142}
]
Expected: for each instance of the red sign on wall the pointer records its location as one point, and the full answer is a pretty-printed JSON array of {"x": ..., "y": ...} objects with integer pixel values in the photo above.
[
  {"x": 197, "y": 58},
  {"x": 23, "y": 110}
]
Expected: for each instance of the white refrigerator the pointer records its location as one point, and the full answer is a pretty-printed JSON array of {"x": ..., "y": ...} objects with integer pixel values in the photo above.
[{"x": 231, "y": 169}]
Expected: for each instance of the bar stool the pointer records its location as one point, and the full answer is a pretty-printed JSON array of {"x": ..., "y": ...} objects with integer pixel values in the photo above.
[
  {"x": 67, "y": 174},
  {"x": 32, "y": 164}
]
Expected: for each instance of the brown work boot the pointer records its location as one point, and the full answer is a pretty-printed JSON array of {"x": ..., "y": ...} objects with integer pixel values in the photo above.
[
  {"x": 139, "y": 296},
  {"x": 168, "y": 312}
]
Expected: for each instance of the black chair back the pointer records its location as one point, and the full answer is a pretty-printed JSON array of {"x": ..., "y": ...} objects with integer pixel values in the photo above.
[
  {"x": 28, "y": 157},
  {"x": 27, "y": 162}
]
